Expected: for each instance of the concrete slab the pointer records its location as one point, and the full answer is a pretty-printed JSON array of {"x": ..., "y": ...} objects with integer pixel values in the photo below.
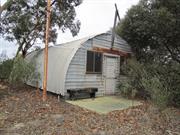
[{"x": 106, "y": 104}]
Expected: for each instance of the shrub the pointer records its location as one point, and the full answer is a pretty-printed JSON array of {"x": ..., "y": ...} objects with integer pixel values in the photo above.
[
  {"x": 134, "y": 72},
  {"x": 6, "y": 68},
  {"x": 170, "y": 77},
  {"x": 22, "y": 72},
  {"x": 159, "y": 83},
  {"x": 159, "y": 93}
]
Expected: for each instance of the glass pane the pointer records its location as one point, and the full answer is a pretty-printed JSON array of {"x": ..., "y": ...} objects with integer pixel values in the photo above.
[
  {"x": 89, "y": 65},
  {"x": 98, "y": 62}
]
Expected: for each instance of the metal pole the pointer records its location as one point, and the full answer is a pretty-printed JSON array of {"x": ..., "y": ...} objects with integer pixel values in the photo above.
[
  {"x": 48, "y": 12},
  {"x": 113, "y": 29},
  {"x": 117, "y": 13}
]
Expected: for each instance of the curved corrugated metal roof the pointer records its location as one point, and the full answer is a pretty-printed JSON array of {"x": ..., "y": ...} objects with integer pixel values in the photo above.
[{"x": 59, "y": 57}]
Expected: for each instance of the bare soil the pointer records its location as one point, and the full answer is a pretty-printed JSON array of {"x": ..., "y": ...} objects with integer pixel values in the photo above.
[{"x": 22, "y": 112}]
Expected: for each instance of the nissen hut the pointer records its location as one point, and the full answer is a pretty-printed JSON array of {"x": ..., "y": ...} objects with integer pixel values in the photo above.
[{"x": 90, "y": 62}]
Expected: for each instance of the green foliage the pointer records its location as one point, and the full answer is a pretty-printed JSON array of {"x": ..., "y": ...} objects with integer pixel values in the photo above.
[
  {"x": 170, "y": 77},
  {"x": 24, "y": 21},
  {"x": 159, "y": 83},
  {"x": 22, "y": 72},
  {"x": 152, "y": 28},
  {"x": 126, "y": 88},
  {"x": 133, "y": 84},
  {"x": 6, "y": 68},
  {"x": 159, "y": 93}
]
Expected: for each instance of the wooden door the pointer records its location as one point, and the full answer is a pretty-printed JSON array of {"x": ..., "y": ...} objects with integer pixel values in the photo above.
[{"x": 110, "y": 72}]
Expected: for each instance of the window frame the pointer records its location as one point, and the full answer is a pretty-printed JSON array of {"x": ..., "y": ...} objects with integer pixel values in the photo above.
[{"x": 94, "y": 62}]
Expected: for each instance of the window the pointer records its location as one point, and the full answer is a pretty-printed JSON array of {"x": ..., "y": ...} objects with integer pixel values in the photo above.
[{"x": 94, "y": 62}]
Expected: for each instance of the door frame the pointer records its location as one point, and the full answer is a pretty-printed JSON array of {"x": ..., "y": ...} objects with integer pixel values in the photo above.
[{"x": 106, "y": 55}]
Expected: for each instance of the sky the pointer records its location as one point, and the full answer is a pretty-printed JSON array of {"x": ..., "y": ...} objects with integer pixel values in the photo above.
[{"x": 96, "y": 16}]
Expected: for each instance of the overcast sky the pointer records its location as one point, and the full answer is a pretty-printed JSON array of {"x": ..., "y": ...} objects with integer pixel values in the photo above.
[{"x": 96, "y": 16}]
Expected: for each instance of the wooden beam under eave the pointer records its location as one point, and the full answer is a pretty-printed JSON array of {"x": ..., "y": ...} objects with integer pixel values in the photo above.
[{"x": 111, "y": 51}]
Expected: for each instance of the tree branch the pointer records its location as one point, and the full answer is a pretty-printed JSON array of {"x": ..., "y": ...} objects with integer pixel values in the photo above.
[
  {"x": 20, "y": 46},
  {"x": 172, "y": 54},
  {"x": 5, "y": 6},
  {"x": 53, "y": 2}
]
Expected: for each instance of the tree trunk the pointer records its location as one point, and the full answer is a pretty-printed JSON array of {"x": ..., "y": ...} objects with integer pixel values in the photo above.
[
  {"x": 6, "y": 4},
  {"x": 24, "y": 52}
]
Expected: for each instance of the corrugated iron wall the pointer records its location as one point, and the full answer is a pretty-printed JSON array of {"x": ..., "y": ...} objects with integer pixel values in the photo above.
[{"x": 76, "y": 76}]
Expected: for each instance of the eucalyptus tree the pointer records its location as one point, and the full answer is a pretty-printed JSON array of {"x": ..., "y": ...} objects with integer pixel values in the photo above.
[
  {"x": 152, "y": 28},
  {"x": 23, "y": 21}
]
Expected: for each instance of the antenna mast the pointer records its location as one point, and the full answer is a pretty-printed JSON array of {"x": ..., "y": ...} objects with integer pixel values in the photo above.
[{"x": 113, "y": 29}]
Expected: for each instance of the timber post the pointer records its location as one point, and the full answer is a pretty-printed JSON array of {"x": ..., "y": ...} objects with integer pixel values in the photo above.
[{"x": 46, "y": 50}]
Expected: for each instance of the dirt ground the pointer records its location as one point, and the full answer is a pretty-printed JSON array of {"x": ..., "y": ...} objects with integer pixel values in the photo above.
[{"x": 22, "y": 112}]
